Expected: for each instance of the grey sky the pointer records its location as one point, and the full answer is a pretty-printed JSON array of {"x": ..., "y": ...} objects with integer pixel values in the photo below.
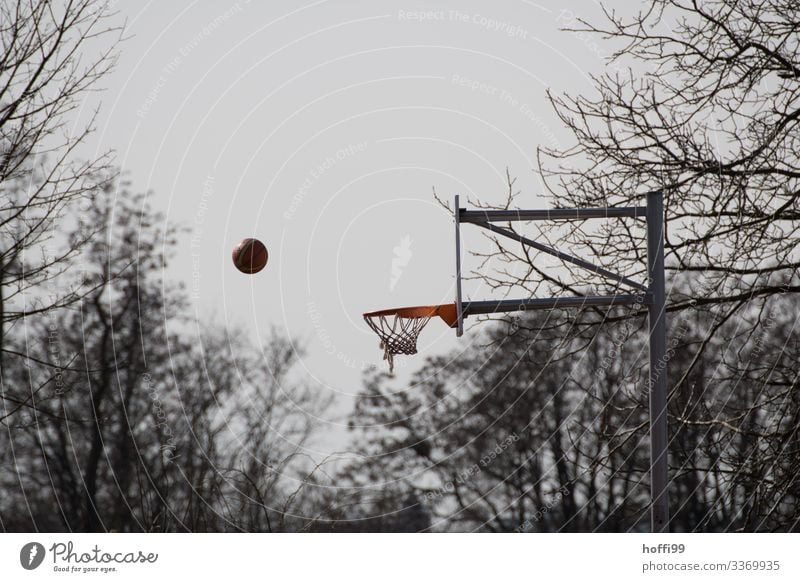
[{"x": 321, "y": 129}]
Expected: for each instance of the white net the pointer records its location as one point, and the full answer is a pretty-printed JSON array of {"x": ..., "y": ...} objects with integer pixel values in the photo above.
[{"x": 398, "y": 334}]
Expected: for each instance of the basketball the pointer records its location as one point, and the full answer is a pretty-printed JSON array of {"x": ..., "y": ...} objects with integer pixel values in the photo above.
[{"x": 250, "y": 256}]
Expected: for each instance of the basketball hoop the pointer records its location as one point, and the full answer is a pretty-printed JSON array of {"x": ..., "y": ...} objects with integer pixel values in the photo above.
[{"x": 399, "y": 328}]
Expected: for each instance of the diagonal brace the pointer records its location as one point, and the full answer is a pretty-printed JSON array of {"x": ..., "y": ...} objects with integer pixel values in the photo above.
[{"x": 563, "y": 256}]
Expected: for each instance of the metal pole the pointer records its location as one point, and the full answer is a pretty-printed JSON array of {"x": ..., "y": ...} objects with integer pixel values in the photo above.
[
  {"x": 657, "y": 318},
  {"x": 553, "y": 214},
  {"x": 459, "y": 310},
  {"x": 505, "y": 305}
]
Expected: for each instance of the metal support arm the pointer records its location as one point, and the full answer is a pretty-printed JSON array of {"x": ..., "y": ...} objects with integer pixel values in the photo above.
[
  {"x": 596, "y": 269},
  {"x": 550, "y": 214},
  {"x": 506, "y": 305}
]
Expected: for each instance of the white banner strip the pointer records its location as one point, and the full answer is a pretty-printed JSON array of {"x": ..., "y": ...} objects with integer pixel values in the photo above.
[{"x": 400, "y": 557}]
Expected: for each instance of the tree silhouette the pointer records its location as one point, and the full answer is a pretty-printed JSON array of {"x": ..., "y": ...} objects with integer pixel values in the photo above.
[
  {"x": 126, "y": 420},
  {"x": 54, "y": 55},
  {"x": 534, "y": 430}
]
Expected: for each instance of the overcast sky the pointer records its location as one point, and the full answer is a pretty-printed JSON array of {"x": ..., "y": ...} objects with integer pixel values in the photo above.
[{"x": 322, "y": 129}]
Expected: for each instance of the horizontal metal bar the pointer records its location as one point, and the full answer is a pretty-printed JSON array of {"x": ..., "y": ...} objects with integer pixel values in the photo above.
[
  {"x": 465, "y": 215},
  {"x": 563, "y": 256},
  {"x": 506, "y": 305}
]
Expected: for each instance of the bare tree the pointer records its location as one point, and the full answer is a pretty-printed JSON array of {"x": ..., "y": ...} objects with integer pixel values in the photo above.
[
  {"x": 708, "y": 112},
  {"x": 53, "y": 56},
  {"x": 702, "y": 102},
  {"x": 127, "y": 417},
  {"x": 534, "y": 430},
  {"x": 505, "y": 436}
]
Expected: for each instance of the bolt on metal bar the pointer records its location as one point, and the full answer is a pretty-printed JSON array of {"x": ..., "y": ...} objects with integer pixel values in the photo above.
[
  {"x": 551, "y": 214},
  {"x": 563, "y": 256}
]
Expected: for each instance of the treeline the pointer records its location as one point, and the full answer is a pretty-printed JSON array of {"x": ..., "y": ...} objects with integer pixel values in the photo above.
[
  {"x": 123, "y": 413},
  {"x": 536, "y": 428}
]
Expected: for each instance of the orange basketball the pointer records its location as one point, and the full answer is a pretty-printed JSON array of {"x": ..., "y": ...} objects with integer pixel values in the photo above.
[{"x": 250, "y": 256}]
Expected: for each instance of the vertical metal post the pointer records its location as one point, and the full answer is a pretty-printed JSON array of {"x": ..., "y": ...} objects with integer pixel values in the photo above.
[
  {"x": 657, "y": 318},
  {"x": 459, "y": 306}
]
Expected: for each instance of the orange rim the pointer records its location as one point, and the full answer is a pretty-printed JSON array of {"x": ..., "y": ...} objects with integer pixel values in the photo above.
[{"x": 446, "y": 312}]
